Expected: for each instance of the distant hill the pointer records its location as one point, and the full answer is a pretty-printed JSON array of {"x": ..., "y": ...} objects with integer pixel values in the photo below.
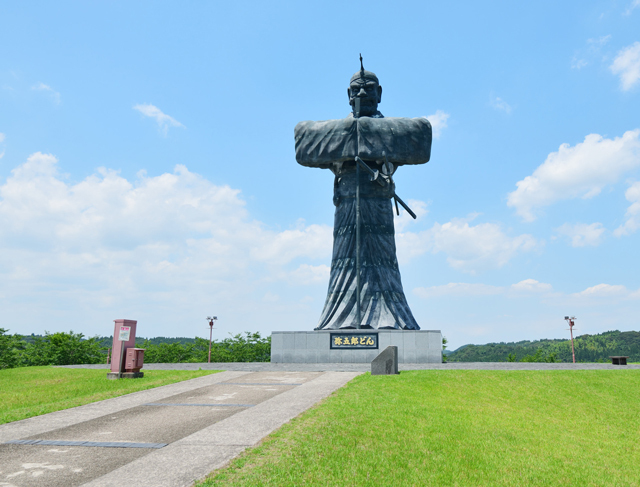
[{"x": 589, "y": 348}]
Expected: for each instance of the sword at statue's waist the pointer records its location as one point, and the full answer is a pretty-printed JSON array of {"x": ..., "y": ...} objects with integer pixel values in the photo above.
[{"x": 382, "y": 181}]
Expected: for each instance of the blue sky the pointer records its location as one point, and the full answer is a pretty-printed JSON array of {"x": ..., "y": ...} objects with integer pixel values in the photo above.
[{"x": 148, "y": 168}]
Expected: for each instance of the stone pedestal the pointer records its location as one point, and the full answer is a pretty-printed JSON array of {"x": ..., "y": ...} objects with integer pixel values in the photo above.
[{"x": 317, "y": 347}]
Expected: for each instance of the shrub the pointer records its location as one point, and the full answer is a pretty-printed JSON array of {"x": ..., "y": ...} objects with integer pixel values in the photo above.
[
  {"x": 238, "y": 348},
  {"x": 10, "y": 347},
  {"x": 444, "y": 347},
  {"x": 62, "y": 349},
  {"x": 540, "y": 356},
  {"x": 72, "y": 349}
]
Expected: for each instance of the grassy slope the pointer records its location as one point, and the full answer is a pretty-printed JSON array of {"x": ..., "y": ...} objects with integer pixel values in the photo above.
[
  {"x": 31, "y": 391},
  {"x": 458, "y": 428}
]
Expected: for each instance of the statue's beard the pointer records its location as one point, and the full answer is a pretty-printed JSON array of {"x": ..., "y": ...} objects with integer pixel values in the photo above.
[{"x": 364, "y": 106}]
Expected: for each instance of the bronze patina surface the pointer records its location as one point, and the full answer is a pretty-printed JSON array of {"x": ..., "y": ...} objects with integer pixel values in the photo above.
[{"x": 363, "y": 151}]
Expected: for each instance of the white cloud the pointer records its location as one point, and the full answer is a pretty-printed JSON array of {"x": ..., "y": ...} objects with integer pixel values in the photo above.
[
  {"x": 282, "y": 248},
  {"x": 633, "y": 212},
  {"x": 615, "y": 297},
  {"x": 54, "y": 94},
  {"x": 531, "y": 286},
  {"x": 632, "y": 6},
  {"x": 438, "y": 122},
  {"x": 526, "y": 288},
  {"x": 163, "y": 120},
  {"x": 270, "y": 298},
  {"x": 37, "y": 202},
  {"x": 599, "y": 294},
  {"x": 528, "y": 309},
  {"x": 461, "y": 289},
  {"x": 578, "y": 171},
  {"x": 468, "y": 248},
  {"x": 471, "y": 248},
  {"x": 309, "y": 274},
  {"x": 457, "y": 289},
  {"x": 499, "y": 104},
  {"x": 578, "y": 63},
  {"x": 582, "y": 234},
  {"x": 599, "y": 41},
  {"x": 164, "y": 247},
  {"x": 611, "y": 295},
  {"x": 592, "y": 51},
  {"x": 627, "y": 66},
  {"x": 603, "y": 290}
]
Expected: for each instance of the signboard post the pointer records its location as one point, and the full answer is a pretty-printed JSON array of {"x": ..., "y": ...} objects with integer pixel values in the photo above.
[{"x": 123, "y": 336}]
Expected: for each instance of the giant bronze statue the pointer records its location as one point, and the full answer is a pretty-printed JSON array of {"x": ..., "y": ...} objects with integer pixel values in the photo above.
[{"x": 363, "y": 151}]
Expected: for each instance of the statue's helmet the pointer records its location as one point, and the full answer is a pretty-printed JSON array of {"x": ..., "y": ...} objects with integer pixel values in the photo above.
[
  {"x": 364, "y": 92},
  {"x": 364, "y": 75}
]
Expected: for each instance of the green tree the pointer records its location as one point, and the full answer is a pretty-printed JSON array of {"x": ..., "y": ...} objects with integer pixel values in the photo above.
[
  {"x": 167, "y": 353},
  {"x": 444, "y": 346},
  {"x": 540, "y": 356},
  {"x": 551, "y": 358},
  {"x": 10, "y": 349},
  {"x": 247, "y": 347},
  {"x": 63, "y": 349}
]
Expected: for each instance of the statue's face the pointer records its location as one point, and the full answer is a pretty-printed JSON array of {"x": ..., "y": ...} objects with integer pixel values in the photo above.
[{"x": 369, "y": 93}]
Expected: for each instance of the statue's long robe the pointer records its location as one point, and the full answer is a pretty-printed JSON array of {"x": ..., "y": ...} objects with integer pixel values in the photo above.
[{"x": 334, "y": 144}]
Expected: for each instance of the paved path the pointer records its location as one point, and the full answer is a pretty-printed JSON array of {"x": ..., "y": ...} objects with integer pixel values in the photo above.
[
  {"x": 167, "y": 436},
  {"x": 267, "y": 366}
]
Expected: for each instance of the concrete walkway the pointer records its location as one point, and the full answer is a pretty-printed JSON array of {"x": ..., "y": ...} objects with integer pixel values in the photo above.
[{"x": 167, "y": 436}]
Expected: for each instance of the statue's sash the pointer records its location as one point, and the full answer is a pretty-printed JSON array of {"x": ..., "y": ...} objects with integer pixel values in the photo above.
[{"x": 403, "y": 140}]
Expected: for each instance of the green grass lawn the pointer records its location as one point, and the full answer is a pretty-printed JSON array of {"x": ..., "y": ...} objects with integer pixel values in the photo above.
[
  {"x": 31, "y": 391},
  {"x": 458, "y": 428}
]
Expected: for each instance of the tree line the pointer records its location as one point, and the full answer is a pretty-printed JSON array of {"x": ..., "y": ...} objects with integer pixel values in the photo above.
[
  {"x": 71, "y": 348},
  {"x": 588, "y": 348}
]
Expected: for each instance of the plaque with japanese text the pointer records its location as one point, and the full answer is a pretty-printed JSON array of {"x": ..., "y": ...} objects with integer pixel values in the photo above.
[{"x": 354, "y": 341}]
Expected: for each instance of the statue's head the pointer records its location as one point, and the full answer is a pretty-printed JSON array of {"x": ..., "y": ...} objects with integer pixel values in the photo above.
[{"x": 364, "y": 92}]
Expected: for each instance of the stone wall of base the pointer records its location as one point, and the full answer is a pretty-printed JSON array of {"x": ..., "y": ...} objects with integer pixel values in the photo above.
[{"x": 314, "y": 347}]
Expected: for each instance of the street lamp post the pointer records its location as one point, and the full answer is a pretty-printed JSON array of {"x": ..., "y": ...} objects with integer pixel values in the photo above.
[
  {"x": 211, "y": 319},
  {"x": 571, "y": 325}
]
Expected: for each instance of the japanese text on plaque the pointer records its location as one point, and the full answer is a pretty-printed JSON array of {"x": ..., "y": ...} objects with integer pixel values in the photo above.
[{"x": 356, "y": 340}]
